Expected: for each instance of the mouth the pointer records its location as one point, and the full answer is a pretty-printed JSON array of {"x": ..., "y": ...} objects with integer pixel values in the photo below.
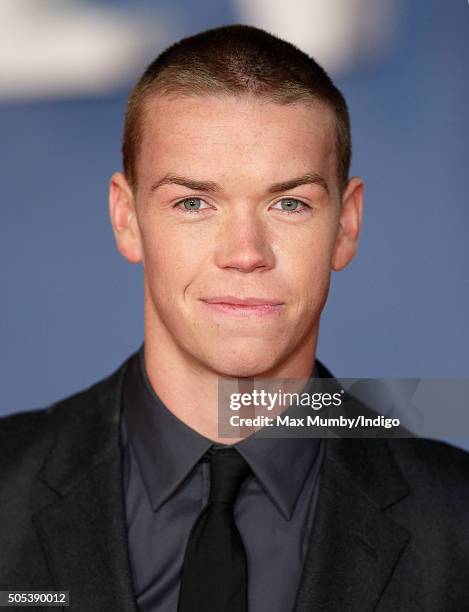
[{"x": 244, "y": 307}]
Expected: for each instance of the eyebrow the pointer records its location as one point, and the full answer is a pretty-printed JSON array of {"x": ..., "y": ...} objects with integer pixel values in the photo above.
[{"x": 311, "y": 178}]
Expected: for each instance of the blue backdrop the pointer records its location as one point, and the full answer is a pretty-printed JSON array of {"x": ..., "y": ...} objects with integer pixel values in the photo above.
[{"x": 72, "y": 308}]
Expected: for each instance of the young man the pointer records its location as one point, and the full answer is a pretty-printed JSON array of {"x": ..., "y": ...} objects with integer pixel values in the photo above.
[{"x": 235, "y": 197}]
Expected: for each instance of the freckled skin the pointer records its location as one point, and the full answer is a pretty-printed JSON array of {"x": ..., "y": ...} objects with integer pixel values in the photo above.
[{"x": 241, "y": 241}]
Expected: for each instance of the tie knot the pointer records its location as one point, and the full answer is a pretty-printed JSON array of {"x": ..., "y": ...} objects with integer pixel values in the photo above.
[{"x": 228, "y": 469}]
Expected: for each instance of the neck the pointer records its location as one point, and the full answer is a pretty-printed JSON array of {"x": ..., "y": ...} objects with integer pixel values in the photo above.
[{"x": 189, "y": 389}]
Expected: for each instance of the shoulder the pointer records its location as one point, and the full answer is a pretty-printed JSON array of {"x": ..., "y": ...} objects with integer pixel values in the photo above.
[
  {"x": 438, "y": 477},
  {"x": 431, "y": 460},
  {"x": 417, "y": 476},
  {"x": 27, "y": 436}
]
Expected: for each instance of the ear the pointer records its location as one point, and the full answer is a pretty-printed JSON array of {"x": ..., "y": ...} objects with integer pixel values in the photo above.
[
  {"x": 124, "y": 218},
  {"x": 349, "y": 224}
]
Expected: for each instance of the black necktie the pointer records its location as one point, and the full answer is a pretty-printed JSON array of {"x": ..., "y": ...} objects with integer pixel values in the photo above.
[{"x": 214, "y": 575}]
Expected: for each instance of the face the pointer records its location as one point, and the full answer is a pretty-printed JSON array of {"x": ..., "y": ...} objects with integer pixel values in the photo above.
[{"x": 236, "y": 200}]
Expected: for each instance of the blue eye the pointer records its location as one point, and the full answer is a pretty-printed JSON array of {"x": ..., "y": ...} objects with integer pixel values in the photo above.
[
  {"x": 190, "y": 204},
  {"x": 291, "y": 205}
]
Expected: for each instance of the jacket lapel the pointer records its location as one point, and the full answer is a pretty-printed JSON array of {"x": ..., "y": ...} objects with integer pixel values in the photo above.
[
  {"x": 354, "y": 546},
  {"x": 83, "y": 533}
]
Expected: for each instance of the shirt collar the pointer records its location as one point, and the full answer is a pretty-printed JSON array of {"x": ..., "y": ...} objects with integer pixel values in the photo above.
[{"x": 167, "y": 449}]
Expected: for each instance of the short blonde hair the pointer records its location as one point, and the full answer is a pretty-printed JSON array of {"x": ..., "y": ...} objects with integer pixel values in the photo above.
[{"x": 236, "y": 59}]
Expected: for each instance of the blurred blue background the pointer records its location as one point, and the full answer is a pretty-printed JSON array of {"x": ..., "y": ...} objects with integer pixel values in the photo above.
[{"x": 72, "y": 307}]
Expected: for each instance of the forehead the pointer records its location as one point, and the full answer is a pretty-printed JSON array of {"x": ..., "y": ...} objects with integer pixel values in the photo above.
[{"x": 227, "y": 134}]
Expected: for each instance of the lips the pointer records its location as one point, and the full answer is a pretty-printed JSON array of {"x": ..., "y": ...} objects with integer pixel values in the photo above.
[
  {"x": 242, "y": 307},
  {"x": 246, "y": 302}
]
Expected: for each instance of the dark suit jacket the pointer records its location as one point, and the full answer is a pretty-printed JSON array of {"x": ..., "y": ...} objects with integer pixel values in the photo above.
[{"x": 391, "y": 530}]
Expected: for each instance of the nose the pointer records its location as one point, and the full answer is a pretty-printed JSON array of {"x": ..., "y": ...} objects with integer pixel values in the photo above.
[{"x": 243, "y": 243}]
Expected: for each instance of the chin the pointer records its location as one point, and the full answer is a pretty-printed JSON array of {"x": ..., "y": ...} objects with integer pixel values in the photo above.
[{"x": 243, "y": 363}]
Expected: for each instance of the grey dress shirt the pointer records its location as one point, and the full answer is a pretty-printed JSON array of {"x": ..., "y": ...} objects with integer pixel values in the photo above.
[{"x": 166, "y": 486}]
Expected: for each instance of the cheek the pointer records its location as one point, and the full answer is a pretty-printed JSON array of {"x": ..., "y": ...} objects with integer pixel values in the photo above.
[
  {"x": 306, "y": 264},
  {"x": 314, "y": 285},
  {"x": 172, "y": 258}
]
